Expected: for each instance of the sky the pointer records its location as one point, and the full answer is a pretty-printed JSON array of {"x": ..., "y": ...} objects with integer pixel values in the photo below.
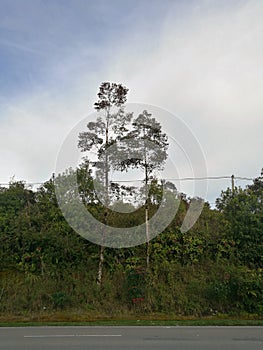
[{"x": 200, "y": 60}]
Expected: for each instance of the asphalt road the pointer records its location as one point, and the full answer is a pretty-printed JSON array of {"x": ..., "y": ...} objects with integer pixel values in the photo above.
[{"x": 131, "y": 338}]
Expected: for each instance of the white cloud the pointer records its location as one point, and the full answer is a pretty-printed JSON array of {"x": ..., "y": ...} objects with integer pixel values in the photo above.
[
  {"x": 208, "y": 68},
  {"x": 205, "y": 66}
]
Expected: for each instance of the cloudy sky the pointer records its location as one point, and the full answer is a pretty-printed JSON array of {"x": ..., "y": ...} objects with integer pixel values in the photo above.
[{"x": 200, "y": 60}]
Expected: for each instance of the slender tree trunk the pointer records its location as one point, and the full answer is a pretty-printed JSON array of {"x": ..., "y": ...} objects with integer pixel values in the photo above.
[
  {"x": 147, "y": 235},
  {"x": 99, "y": 278},
  {"x": 147, "y": 211},
  {"x": 106, "y": 211}
]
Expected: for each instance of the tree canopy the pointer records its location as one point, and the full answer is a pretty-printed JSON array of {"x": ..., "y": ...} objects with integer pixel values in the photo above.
[{"x": 215, "y": 267}]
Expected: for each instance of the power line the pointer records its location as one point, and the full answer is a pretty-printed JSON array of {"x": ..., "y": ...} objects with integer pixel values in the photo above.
[
  {"x": 167, "y": 179},
  {"x": 195, "y": 178},
  {"x": 244, "y": 178},
  {"x": 199, "y": 178},
  {"x": 26, "y": 183}
]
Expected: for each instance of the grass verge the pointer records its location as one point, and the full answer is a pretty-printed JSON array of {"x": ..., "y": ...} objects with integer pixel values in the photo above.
[{"x": 75, "y": 319}]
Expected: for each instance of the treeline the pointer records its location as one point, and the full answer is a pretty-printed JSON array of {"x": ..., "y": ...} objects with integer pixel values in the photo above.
[{"x": 216, "y": 267}]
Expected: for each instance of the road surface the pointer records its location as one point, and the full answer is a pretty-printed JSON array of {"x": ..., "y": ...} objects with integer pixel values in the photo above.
[{"x": 131, "y": 338}]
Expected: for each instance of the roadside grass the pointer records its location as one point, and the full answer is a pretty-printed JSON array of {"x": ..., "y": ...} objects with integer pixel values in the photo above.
[{"x": 75, "y": 319}]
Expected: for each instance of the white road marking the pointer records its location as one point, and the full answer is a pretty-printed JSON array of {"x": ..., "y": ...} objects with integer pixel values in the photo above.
[
  {"x": 49, "y": 336},
  {"x": 71, "y": 335},
  {"x": 98, "y": 335}
]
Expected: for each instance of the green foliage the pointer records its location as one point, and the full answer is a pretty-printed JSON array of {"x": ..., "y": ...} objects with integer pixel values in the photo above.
[
  {"x": 240, "y": 289},
  {"x": 61, "y": 300},
  {"x": 136, "y": 282},
  {"x": 243, "y": 210},
  {"x": 216, "y": 267}
]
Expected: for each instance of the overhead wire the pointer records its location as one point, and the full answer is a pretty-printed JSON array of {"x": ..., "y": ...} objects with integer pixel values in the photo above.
[{"x": 166, "y": 179}]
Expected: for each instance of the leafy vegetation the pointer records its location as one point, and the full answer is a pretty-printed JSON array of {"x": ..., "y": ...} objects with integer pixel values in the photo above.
[{"x": 216, "y": 268}]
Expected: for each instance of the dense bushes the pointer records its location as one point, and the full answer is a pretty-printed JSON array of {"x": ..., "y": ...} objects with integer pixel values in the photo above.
[{"x": 216, "y": 267}]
